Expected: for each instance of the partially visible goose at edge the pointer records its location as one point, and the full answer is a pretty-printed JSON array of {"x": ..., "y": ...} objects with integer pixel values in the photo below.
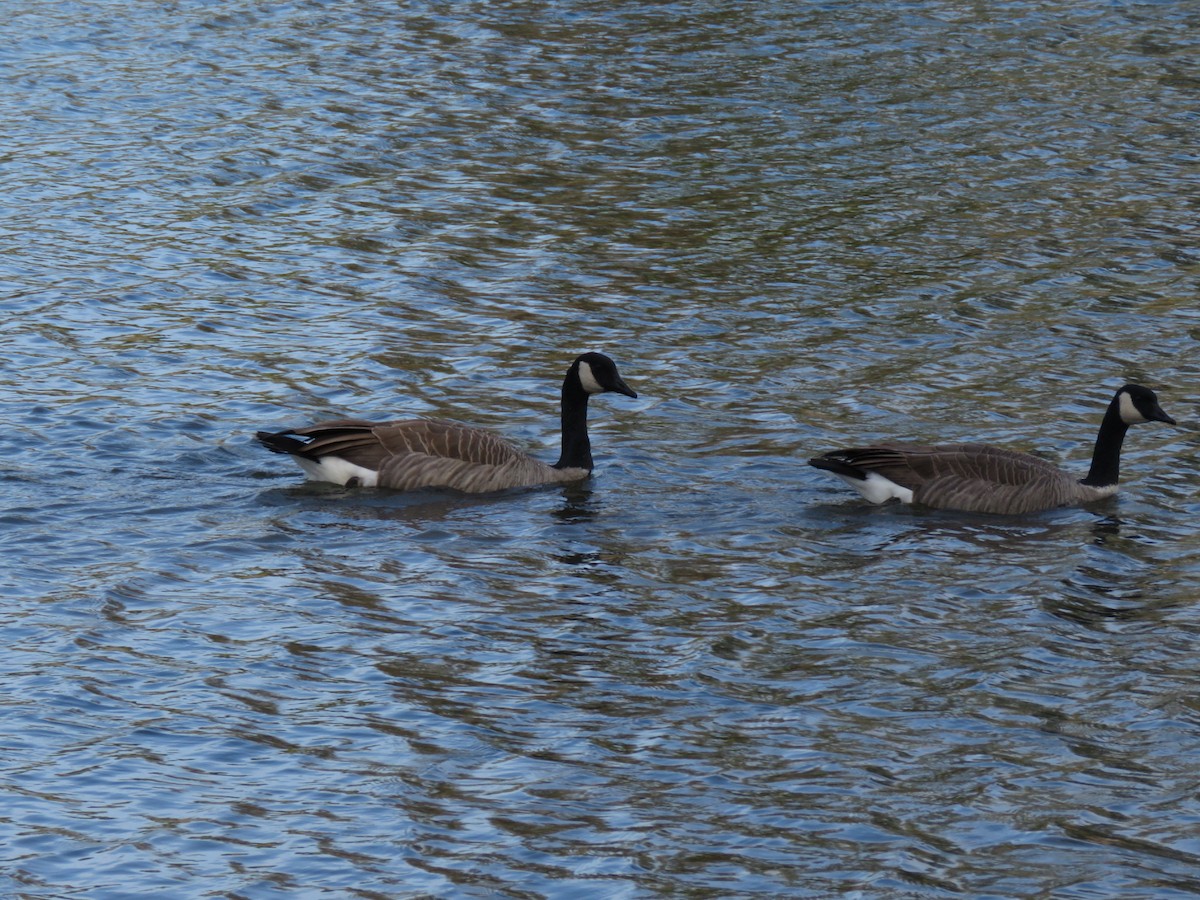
[
  {"x": 411, "y": 454},
  {"x": 986, "y": 479}
]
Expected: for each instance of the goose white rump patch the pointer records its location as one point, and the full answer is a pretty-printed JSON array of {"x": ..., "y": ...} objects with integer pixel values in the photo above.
[
  {"x": 337, "y": 470},
  {"x": 878, "y": 489}
]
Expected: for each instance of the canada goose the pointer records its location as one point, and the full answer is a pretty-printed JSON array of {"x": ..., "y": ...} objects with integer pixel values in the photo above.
[
  {"x": 410, "y": 454},
  {"x": 986, "y": 479}
]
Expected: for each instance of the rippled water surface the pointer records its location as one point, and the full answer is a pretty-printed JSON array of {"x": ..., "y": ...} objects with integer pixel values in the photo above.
[{"x": 711, "y": 670}]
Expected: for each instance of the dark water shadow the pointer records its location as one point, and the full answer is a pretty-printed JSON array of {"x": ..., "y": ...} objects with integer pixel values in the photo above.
[
  {"x": 423, "y": 506},
  {"x": 952, "y": 525},
  {"x": 1123, "y": 579}
]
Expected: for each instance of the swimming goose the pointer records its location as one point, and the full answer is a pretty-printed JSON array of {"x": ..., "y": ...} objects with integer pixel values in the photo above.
[
  {"x": 410, "y": 454},
  {"x": 985, "y": 479}
]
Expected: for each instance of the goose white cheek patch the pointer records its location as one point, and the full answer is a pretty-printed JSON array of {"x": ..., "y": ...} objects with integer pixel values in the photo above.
[
  {"x": 1129, "y": 412},
  {"x": 588, "y": 380}
]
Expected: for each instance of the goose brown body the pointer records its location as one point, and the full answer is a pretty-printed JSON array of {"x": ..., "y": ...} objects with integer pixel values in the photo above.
[
  {"x": 981, "y": 478},
  {"x": 971, "y": 477},
  {"x": 410, "y": 454}
]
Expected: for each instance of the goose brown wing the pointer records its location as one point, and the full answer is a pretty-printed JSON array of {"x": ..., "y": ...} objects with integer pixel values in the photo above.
[
  {"x": 369, "y": 444},
  {"x": 913, "y": 465}
]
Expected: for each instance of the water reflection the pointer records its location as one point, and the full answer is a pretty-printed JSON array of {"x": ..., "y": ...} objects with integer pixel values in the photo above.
[{"x": 581, "y": 505}]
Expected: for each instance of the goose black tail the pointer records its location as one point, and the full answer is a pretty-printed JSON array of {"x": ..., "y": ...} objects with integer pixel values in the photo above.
[
  {"x": 280, "y": 441},
  {"x": 831, "y": 463}
]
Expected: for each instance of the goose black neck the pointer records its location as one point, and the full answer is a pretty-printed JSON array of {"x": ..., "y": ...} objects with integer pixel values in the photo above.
[
  {"x": 1106, "y": 457},
  {"x": 576, "y": 447}
]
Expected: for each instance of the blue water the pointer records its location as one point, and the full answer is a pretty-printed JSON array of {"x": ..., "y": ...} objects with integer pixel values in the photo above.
[{"x": 710, "y": 671}]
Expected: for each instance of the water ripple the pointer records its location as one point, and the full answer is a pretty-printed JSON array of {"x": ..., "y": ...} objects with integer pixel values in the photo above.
[{"x": 710, "y": 671}]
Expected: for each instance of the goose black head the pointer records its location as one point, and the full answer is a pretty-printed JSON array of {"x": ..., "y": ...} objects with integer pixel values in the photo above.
[
  {"x": 597, "y": 374},
  {"x": 1139, "y": 404}
]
